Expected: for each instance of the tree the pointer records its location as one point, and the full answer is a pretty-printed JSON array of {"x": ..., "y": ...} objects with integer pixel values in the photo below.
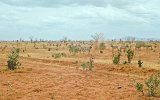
[
  {"x": 31, "y": 38},
  {"x": 64, "y": 39},
  {"x": 98, "y": 37}
]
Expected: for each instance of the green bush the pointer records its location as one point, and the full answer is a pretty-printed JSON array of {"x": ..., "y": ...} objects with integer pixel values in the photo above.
[
  {"x": 58, "y": 55},
  {"x": 152, "y": 84},
  {"x": 130, "y": 54},
  {"x": 139, "y": 88},
  {"x": 116, "y": 58},
  {"x": 84, "y": 66},
  {"x": 89, "y": 65},
  {"x": 13, "y": 60}
]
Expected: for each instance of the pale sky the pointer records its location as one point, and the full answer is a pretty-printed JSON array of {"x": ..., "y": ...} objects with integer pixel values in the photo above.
[{"x": 78, "y": 19}]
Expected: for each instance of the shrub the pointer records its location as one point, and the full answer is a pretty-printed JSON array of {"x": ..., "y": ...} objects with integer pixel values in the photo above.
[
  {"x": 84, "y": 66},
  {"x": 116, "y": 58},
  {"x": 152, "y": 84},
  {"x": 124, "y": 62},
  {"x": 89, "y": 65},
  {"x": 140, "y": 44},
  {"x": 13, "y": 60},
  {"x": 139, "y": 88},
  {"x": 140, "y": 63},
  {"x": 102, "y": 46},
  {"x": 58, "y": 55},
  {"x": 130, "y": 54}
]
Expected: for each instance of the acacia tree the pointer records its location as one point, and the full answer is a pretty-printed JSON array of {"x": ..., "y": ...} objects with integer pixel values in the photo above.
[{"x": 97, "y": 37}]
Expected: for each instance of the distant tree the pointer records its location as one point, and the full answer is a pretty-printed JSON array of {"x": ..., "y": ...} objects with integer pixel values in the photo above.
[
  {"x": 98, "y": 37},
  {"x": 130, "y": 39},
  {"x": 31, "y": 39},
  {"x": 64, "y": 39}
]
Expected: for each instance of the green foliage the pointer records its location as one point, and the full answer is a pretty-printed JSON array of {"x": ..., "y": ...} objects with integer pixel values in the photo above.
[
  {"x": 140, "y": 63},
  {"x": 152, "y": 84},
  {"x": 139, "y": 88},
  {"x": 58, "y": 55},
  {"x": 13, "y": 60},
  {"x": 102, "y": 46},
  {"x": 74, "y": 49},
  {"x": 116, "y": 58},
  {"x": 130, "y": 54},
  {"x": 89, "y": 65},
  {"x": 84, "y": 66}
]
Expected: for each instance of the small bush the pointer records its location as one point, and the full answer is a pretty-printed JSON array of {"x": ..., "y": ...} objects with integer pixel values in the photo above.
[
  {"x": 58, "y": 55},
  {"x": 89, "y": 65},
  {"x": 84, "y": 66},
  {"x": 116, "y": 58},
  {"x": 152, "y": 84},
  {"x": 124, "y": 62},
  {"x": 140, "y": 63},
  {"x": 102, "y": 46},
  {"x": 13, "y": 60},
  {"x": 130, "y": 54},
  {"x": 139, "y": 88}
]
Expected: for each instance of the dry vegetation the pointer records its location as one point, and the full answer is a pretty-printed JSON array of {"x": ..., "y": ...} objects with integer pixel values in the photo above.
[{"x": 78, "y": 70}]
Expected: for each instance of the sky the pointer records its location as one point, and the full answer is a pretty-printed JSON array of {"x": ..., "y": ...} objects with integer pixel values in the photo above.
[{"x": 79, "y": 19}]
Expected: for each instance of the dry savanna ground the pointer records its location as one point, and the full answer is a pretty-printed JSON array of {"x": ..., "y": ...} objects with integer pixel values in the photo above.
[{"x": 42, "y": 77}]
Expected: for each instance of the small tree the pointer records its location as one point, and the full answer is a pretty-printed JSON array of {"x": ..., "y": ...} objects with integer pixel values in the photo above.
[
  {"x": 97, "y": 37},
  {"x": 130, "y": 54},
  {"x": 13, "y": 60}
]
